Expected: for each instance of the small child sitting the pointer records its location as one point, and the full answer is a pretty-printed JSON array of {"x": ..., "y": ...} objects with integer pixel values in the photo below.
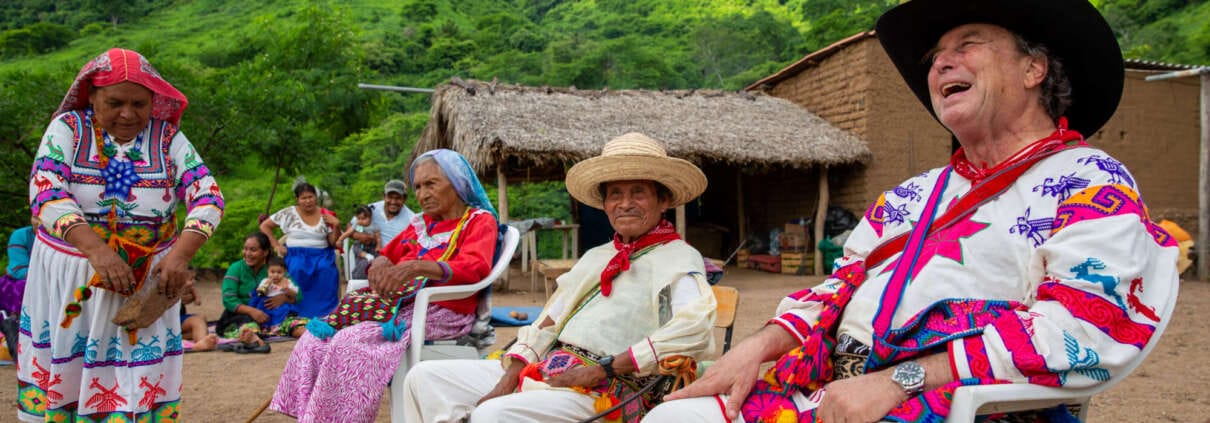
[
  {"x": 193, "y": 327},
  {"x": 275, "y": 295},
  {"x": 362, "y": 251}
]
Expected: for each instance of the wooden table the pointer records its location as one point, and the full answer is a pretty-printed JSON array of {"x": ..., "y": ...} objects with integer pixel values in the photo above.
[
  {"x": 550, "y": 269},
  {"x": 529, "y": 244}
]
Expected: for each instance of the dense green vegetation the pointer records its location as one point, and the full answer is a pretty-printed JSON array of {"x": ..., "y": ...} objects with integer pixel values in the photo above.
[{"x": 272, "y": 84}]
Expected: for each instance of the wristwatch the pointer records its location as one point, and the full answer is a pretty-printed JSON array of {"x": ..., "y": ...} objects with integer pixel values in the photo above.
[
  {"x": 910, "y": 376},
  {"x": 606, "y": 363}
]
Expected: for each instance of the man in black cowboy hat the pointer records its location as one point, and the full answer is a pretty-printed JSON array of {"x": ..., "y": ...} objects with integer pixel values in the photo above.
[{"x": 1030, "y": 259}]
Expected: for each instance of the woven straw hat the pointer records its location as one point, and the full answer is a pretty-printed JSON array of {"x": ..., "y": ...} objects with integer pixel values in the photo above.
[{"x": 634, "y": 156}]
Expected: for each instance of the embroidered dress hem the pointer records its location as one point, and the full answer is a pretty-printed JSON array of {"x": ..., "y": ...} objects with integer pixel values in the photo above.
[
  {"x": 90, "y": 369},
  {"x": 343, "y": 378}
]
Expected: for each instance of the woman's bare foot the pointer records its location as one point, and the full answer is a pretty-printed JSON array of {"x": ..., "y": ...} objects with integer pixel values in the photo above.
[{"x": 207, "y": 343}]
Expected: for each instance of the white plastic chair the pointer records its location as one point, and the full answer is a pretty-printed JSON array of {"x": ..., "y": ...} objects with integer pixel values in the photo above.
[
  {"x": 420, "y": 350},
  {"x": 971, "y": 401},
  {"x": 347, "y": 259}
]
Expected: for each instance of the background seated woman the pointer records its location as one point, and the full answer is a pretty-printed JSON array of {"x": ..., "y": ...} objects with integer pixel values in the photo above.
[
  {"x": 458, "y": 216},
  {"x": 240, "y": 319}
]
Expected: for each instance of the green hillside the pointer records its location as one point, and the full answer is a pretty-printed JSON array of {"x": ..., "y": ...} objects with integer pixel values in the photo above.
[{"x": 272, "y": 84}]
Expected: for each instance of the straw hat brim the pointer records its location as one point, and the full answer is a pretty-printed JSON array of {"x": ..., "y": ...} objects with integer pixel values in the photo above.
[{"x": 683, "y": 178}]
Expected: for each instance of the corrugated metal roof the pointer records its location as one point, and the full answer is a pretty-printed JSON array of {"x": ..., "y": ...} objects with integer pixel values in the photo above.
[{"x": 1151, "y": 65}]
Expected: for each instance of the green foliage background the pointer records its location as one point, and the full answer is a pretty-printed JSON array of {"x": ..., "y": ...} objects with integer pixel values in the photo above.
[{"x": 272, "y": 84}]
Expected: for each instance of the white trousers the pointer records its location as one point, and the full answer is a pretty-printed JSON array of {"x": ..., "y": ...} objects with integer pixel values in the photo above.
[
  {"x": 447, "y": 390},
  {"x": 700, "y": 409}
]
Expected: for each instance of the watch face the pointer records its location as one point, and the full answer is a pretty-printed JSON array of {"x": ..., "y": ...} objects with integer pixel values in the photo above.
[{"x": 909, "y": 374}]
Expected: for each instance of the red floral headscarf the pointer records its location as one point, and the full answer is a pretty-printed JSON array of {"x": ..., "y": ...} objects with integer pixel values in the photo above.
[{"x": 120, "y": 65}]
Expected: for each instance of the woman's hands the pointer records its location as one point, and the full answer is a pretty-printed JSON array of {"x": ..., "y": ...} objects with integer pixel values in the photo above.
[
  {"x": 386, "y": 277},
  {"x": 173, "y": 272},
  {"x": 259, "y": 316},
  {"x": 275, "y": 301},
  {"x": 189, "y": 293},
  {"x": 331, "y": 221},
  {"x": 114, "y": 273}
]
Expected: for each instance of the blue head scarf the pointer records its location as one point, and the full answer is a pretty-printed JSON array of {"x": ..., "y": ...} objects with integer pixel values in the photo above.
[{"x": 461, "y": 175}]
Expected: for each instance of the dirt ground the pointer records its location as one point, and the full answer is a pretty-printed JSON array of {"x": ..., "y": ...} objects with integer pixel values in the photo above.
[{"x": 1172, "y": 385}]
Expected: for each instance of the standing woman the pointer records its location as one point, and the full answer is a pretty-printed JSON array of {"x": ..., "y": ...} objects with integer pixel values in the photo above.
[
  {"x": 105, "y": 185},
  {"x": 309, "y": 253}
]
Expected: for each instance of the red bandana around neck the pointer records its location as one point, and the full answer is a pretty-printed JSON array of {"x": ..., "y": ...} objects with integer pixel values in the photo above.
[
  {"x": 979, "y": 172},
  {"x": 661, "y": 234}
]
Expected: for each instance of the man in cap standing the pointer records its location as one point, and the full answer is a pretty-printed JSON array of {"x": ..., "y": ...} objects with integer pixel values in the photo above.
[
  {"x": 1029, "y": 259},
  {"x": 390, "y": 215}
]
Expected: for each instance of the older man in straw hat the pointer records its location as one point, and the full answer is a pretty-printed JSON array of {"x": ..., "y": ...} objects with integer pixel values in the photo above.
[
  {"x": 1030, "y": 259},
  {"x": 625, "y": 306}
]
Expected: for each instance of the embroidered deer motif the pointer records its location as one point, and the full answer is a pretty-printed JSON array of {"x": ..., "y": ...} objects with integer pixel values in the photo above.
[
  {"x": 1136, "y": 304},
  {"x": 191, "y": 160},
  {"x": 42, "y": 183},
  {"x": 1108, "y": 283},
  {"x": 1062, "y": 188},
  {"x": 152, "y": 391},
  {"x": 56, "y": 153},
  {"x": 106, "y": 400}
]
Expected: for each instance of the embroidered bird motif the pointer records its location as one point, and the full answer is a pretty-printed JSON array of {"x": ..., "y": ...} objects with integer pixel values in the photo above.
[
  {"x": 1062, "y": 187},
  {"x": 1116, "y": 170}
]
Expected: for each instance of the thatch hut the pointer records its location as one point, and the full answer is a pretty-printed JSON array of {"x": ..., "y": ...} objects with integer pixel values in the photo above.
[{"x": 754, "y": 148}]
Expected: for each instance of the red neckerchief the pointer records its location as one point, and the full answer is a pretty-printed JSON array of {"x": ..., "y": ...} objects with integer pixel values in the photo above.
[
  {"x": 662, "y": 233},
  {"x": 976, "y": 173}
]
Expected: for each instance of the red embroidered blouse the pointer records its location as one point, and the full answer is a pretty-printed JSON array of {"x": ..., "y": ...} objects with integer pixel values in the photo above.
[{"x": 469, "y": 264}]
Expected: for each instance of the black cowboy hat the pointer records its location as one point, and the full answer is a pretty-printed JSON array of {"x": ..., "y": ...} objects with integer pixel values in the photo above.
[{"x": 1072, "y": 30}]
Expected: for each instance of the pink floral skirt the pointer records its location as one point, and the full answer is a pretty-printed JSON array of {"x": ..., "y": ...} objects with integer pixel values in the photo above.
[{"x": 343, "y": 378}]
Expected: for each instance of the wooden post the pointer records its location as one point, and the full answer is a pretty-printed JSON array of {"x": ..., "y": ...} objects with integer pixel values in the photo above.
[
  {"x": 1203, "y": 187},
  {"x": 502, "y": 201},
  {"x": 680, "y": 220},
  {"x": 821, "y": 214},
  {"x": 739, "y": 206}
]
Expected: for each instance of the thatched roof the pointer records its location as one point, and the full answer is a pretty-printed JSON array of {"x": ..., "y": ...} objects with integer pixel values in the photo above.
[{"x": 542, "y": 127}]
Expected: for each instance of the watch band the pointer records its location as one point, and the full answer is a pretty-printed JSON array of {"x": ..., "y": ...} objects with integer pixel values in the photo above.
[{"x": 606, "y": 363}]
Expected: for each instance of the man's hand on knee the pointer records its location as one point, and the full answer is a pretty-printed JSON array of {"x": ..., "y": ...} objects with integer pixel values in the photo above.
[{"x": 736, "y": 372}]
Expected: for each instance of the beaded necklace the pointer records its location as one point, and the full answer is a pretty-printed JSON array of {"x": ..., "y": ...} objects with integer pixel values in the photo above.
[{"x": 118, "y": 173}]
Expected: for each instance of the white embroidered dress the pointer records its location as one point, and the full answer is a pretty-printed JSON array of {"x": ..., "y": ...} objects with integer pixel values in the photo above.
[{"x": 89, "y": 368}]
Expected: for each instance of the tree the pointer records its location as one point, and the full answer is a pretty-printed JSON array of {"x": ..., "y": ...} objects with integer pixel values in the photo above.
[{"x": 27, "y": 102}]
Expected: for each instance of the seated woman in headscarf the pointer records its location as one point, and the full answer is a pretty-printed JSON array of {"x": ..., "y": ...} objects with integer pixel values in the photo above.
[{"x": 451, "y": 243}]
